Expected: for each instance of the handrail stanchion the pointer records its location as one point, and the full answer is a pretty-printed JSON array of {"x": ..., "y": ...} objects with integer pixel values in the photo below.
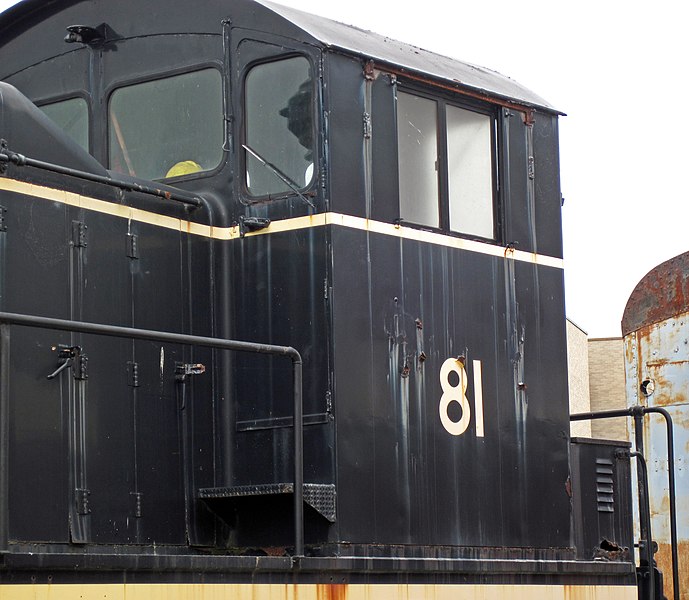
[{"x": 4, "y": 433}]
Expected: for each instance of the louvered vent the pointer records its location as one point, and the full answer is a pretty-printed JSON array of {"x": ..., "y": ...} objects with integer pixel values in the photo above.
[{"x": 604, "y": 485}]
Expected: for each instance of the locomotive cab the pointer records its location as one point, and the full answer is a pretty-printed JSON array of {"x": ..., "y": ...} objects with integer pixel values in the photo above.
[{"x": 270, "y": 176}]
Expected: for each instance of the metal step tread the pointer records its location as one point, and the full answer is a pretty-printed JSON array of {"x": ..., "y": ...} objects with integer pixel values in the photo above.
[{"x": 319, "y": 496}]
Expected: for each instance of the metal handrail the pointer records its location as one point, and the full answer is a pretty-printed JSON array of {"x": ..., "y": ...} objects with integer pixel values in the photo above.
[
  {"x": 637, "y": 412},
  {"x": 7, "y": 319},
  {"x": 9, "y": 157}
]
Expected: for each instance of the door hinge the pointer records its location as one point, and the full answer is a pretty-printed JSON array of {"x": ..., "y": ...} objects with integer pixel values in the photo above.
[
  {"x": 81, "y": 365},
  {"x": 132, "y": 374},
  {"x": 532, "y": 168},
  {"x": 3, "y": 222},
  {"x": 79, "y": 234},
  {"x": 82, "y": 499},
  {"x": 138, "y": 509},
  {"x": 132, "y": 245},
  {"x": 368, "y": 127},
  {"x": 5, "y": 160}
]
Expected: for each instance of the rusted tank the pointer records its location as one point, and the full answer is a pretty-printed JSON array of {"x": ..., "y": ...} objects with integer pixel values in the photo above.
[{"x": 655, "y": 327}]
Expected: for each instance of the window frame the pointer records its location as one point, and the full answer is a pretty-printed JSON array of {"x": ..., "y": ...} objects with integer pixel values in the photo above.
[
  {"x": 245, "y": 193},
  {"x": 442, "y": 101},
  {"x": 167, "y": 74}
]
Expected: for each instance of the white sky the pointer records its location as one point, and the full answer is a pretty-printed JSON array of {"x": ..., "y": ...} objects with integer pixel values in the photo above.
[{"x": 617, "y": 69}]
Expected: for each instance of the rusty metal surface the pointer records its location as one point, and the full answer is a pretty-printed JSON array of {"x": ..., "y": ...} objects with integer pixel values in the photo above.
[
  {"x": 659, "y": 353},
  {"x": 662, "y": 293},
  {"x": 321, "y": 592},
  {"x": 663, "y": 560}
]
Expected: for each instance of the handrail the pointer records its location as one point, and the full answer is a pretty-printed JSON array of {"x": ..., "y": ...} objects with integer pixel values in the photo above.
[
  {"x": 9, "y": 157},
  {"x": 637, "y": 412},
  {"x": 643, "y": 475},
  {"x": 7, "y": 319}
]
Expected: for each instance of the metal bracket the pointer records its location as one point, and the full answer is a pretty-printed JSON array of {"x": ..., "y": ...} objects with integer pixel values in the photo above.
[
  {"x": 249, "y": 224},
  {"x": 369, "y": 71},
  {"x": 85, "y": 34}
]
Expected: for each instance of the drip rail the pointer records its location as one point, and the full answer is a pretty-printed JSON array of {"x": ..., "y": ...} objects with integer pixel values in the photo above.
[{"x": 8, "y": 319}]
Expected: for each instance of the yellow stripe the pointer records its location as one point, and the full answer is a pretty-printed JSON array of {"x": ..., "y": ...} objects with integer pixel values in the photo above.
[
  {"x": 313, "y": 592},
  {"x": 230, "y": 233},
  {"x": 442, "y": 240}
]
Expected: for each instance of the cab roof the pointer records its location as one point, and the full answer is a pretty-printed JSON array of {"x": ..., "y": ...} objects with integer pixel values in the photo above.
[
  {"x": 369, "y": 45},
  {"x": 174, "y": 16}
]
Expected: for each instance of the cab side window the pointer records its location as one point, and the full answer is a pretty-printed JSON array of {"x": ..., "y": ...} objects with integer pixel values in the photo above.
[
  {"x": 167, "y": 127},
  {"x": 470, "y": 172},
  {"x": 417, "y": 133},
  {"x": 279, "y": 127},
  {"x": 446, "y": 160}
]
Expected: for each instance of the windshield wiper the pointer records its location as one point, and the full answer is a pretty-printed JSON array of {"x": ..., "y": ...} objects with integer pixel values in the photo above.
[{"x": 280, "y": 175}]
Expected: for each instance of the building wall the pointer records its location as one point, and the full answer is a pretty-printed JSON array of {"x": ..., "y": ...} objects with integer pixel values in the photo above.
[
  {"x": 607, "y": 386},
  {"x": 578, "y": 367}
]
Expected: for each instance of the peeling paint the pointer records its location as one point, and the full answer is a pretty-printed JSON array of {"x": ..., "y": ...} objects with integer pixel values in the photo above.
[
  {"x": 664, "y": 559},
  {"x": 656, "y": 327}
]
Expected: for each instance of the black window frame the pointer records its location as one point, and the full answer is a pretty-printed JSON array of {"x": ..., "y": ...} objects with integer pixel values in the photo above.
[
  {"x": 442, "y": 100},
  {"x": 166, "y": 74},
  {"x": 246, "y": 194}
]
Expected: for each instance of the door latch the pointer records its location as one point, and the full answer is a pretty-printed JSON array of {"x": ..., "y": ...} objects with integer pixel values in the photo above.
[{"x": 67, "y": 356}]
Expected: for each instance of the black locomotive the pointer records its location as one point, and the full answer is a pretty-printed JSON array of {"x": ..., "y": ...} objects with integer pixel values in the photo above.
[{"x": 386, "y": 218}]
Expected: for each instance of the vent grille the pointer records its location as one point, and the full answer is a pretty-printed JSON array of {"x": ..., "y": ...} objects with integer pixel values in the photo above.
[{"x": 604, "y": 485}]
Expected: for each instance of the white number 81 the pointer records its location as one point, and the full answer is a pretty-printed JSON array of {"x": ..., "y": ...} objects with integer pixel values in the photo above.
[{"x": 457, "y": 393}]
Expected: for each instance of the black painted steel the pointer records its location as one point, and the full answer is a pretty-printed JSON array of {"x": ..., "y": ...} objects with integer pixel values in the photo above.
[
  {"x": 143, "y": 334},
  {"x": 601, "y": 499}
]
